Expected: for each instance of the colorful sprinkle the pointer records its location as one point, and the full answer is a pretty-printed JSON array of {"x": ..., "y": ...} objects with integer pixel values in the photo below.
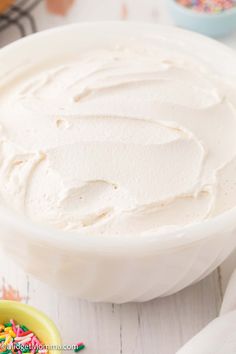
[
  {"x": 8, "y": 324},
  {"x": 18, "y": 339},
  {"x": 24, "y": 328},
  {"x": 79, "y": 347},
  {"x": 208, "y": 6}
]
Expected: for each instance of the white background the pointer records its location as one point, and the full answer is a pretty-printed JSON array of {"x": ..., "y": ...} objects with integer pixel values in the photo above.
[{"x": 160, "y": 326}]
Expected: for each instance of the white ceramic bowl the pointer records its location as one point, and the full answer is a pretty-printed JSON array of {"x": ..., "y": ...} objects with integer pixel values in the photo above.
[{"x": 116, "y": 269}]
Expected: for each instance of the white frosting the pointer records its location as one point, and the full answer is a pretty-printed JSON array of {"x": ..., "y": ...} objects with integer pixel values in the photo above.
[{"x": 119, "y": 141}]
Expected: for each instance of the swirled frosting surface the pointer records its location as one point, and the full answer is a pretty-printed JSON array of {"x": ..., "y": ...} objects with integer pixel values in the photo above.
[{"x": 119, "y": 141}]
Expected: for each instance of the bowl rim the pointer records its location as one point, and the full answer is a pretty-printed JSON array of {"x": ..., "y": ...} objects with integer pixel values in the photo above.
[
  {"x": 31, "y": 311},
  {"x": 125, "y": 244},
  {"x": 197, "y": 14}
]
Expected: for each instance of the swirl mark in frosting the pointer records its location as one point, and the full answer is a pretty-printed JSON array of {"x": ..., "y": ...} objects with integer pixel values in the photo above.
[{"x": 119, "y": 142}]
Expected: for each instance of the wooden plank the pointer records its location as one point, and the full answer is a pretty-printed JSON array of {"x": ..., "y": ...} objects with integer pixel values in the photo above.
[
  {"x": 159, "y": 326},
  {"x": 227, "y": 269}
]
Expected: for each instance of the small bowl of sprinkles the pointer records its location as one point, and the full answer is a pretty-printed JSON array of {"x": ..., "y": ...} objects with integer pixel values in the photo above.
[
  {"x": 25, "y": 330},
  {"x": 214, "y": 18}
]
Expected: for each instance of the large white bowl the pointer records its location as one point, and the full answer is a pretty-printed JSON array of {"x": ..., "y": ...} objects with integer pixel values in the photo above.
[{"x": 116, "y": 269}]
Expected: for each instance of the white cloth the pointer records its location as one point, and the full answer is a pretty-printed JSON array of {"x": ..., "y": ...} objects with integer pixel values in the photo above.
[{"x": 219, "y": 337}]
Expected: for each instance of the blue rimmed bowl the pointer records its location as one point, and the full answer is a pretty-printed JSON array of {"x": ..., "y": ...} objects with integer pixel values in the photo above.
[{"x": 213, "y": 25}]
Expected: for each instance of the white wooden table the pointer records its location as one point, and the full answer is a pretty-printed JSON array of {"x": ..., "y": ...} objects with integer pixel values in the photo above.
[{"x": 157, "y": 327}]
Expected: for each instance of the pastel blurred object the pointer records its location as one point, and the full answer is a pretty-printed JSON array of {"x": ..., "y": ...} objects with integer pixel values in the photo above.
[
  {"x": 59, "y": 7},
  {"x": 208, "y": 6},
  {"x": 5, "y": 4},
  {"x": 218, "y": 23}
]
